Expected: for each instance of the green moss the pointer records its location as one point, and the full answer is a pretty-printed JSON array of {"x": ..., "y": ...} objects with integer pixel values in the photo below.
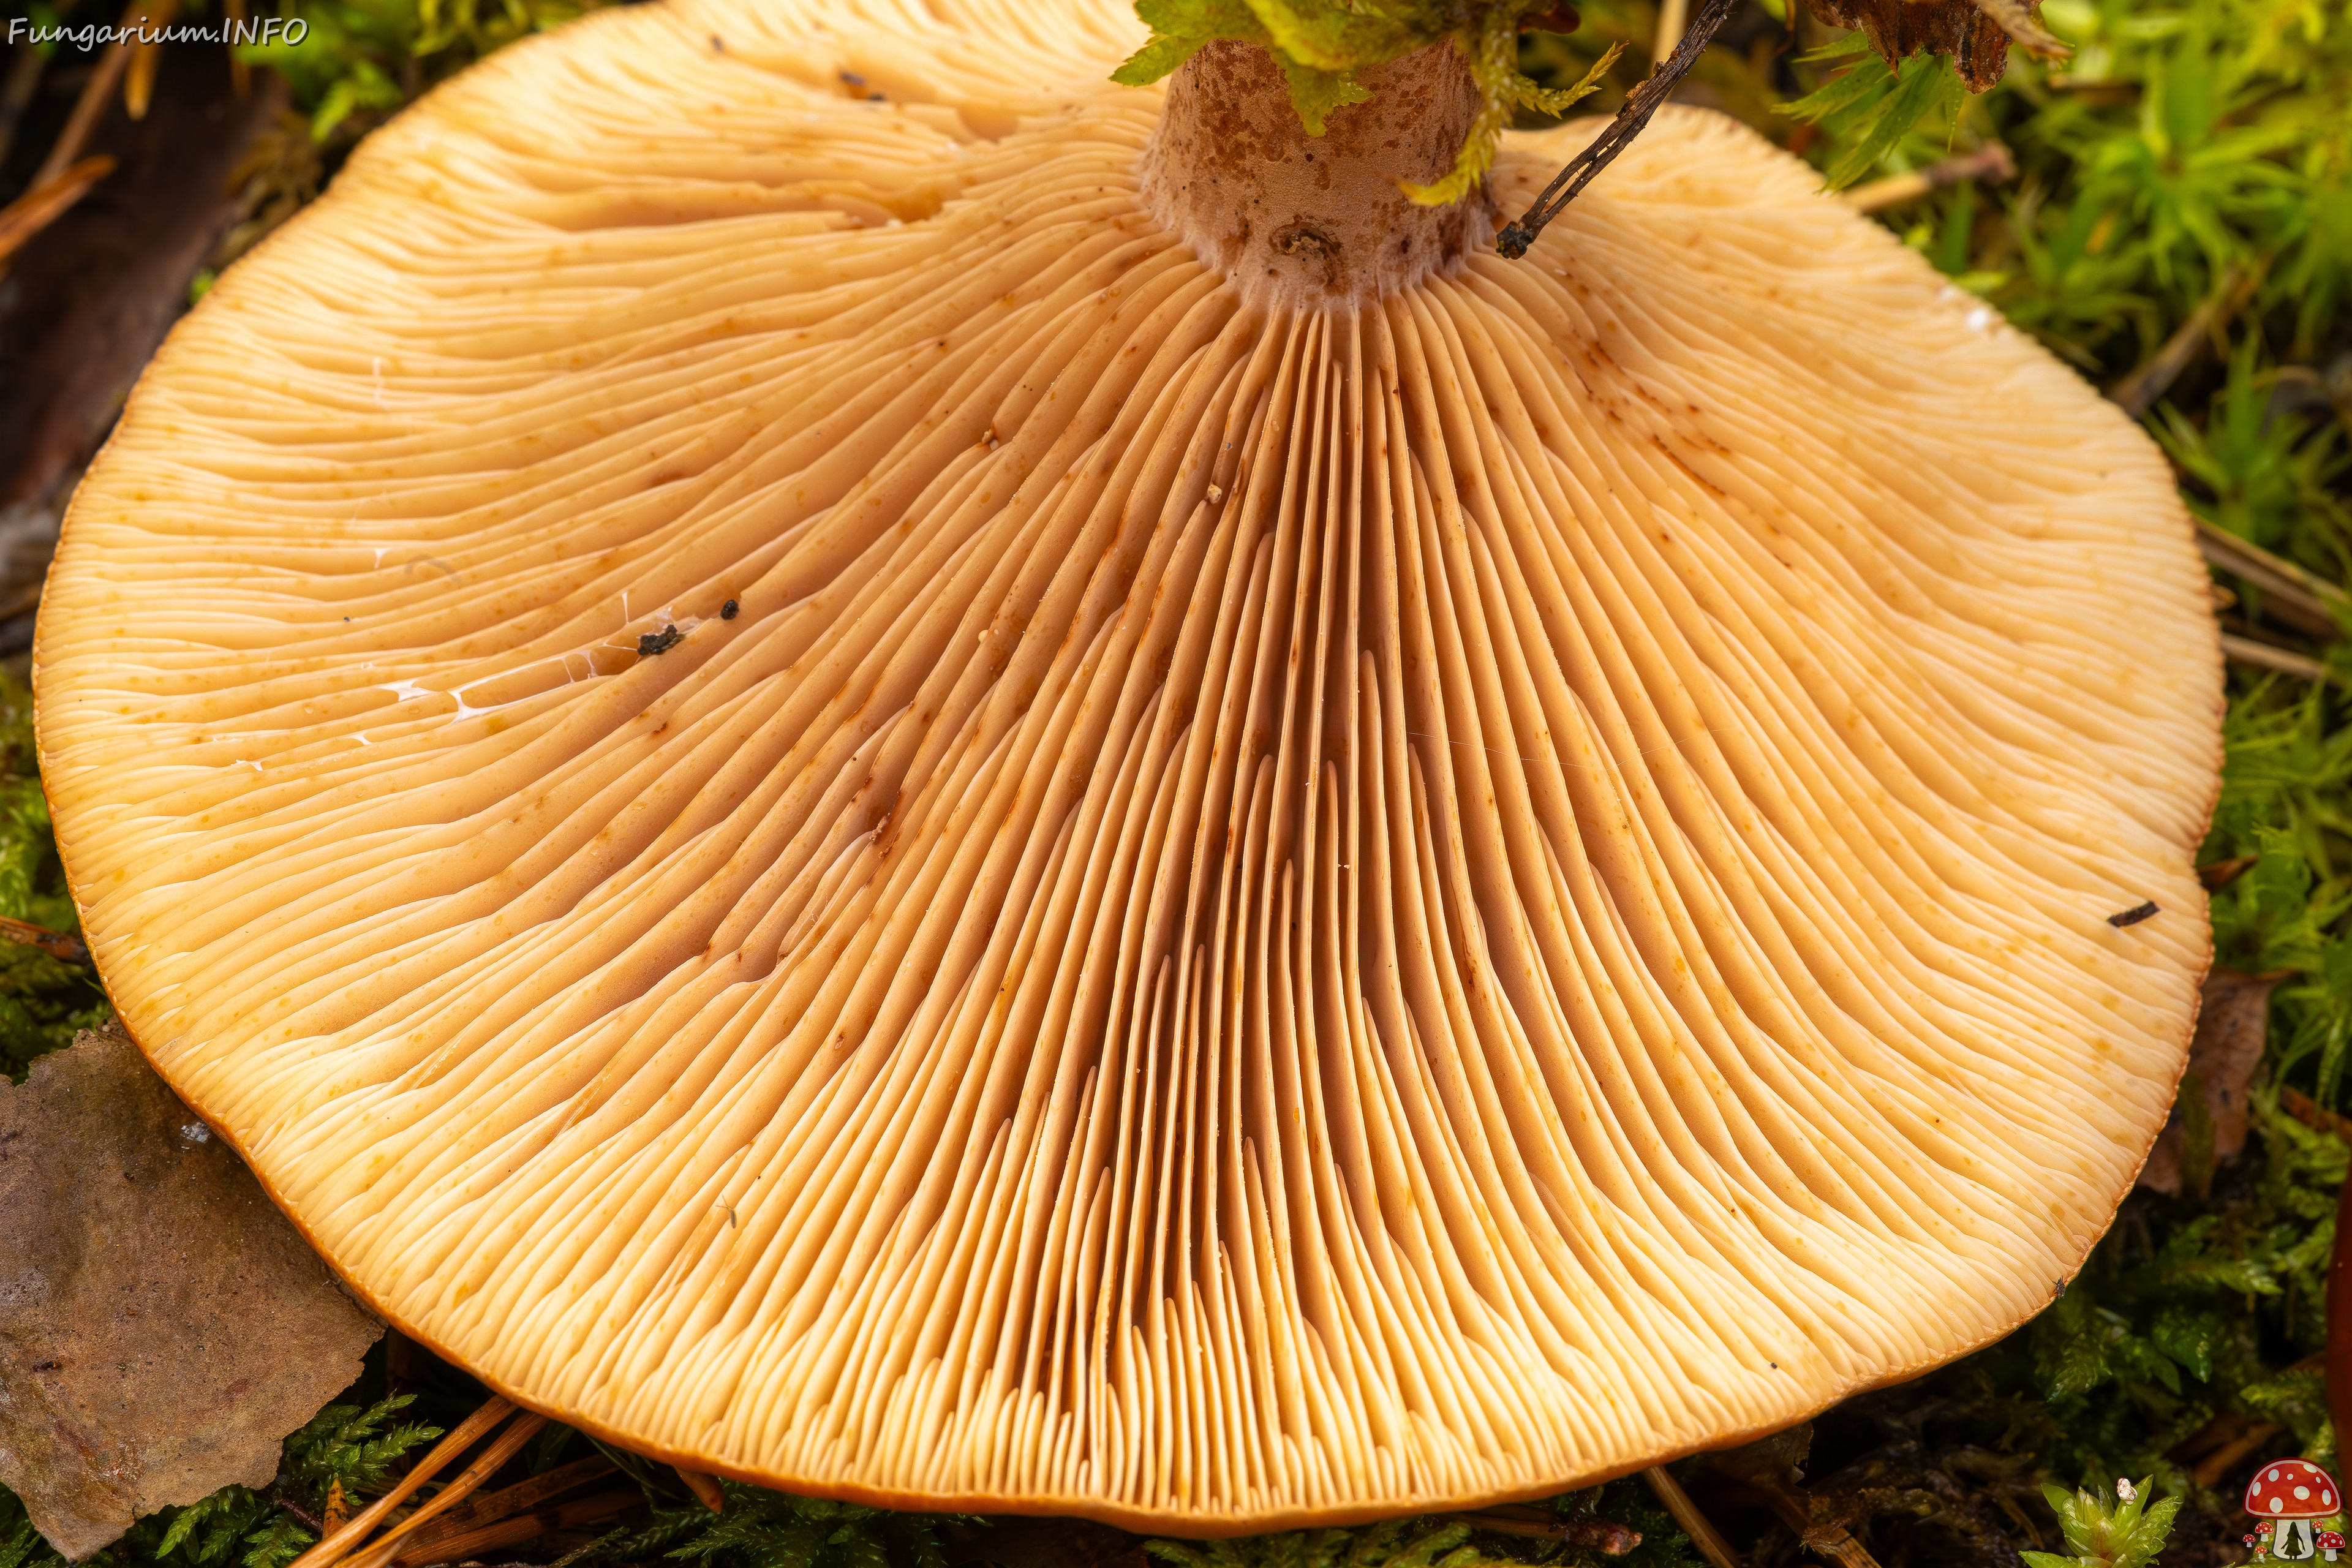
[
  {"x": 1321, "y": 44},
  {"x": 361, "y": 59},
  {"x": 43, "y": 1001}
]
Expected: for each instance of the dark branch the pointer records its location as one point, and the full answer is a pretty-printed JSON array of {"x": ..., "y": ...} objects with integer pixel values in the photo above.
[
  {"x": 298, "y": 1511},
  {"x": 1643, "y": 102}
]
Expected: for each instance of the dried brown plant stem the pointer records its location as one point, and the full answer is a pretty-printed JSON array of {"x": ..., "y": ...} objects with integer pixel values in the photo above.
[
  {"x": 1535, "y": 1523},
  {"x": 2313, "y": 1114},
  {"x": 2270, "y": 656},
  {"x": 508, "y": 1444},
  {"x": 2137, "y": 394},
  {"x": 1696, "y": 1525},
  {"x": 16, "y": 89},
  {"x": 240, "y": 75},
  {"x": 95, "y": 94},
  {"x": 494, "y": 1506},
  {"x": 146, "y": 58},
  {"x": 1989, "y": 164},
  {"x": 2227, "y": 1457},
  {"x": 463, "y": 1437},
  {"x": 1643, "y": 103},
  {"x": 2307, "y": 602},
  {"x": 37, "y": 208},
  {"x": 55, "y": 943},
  {"x": 1674, "y": 19},
  {"x": 703, "y": 1487},
  {"x": 514, "y": 1530},
  {"x": 298, "y": 1510}
]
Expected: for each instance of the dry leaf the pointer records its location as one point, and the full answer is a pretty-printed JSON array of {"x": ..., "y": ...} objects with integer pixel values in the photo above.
[
  {"x": 2208, "y": 1126},
  {"x": 1976, "y": 34},
  {"x": 162, "y": 1326}
]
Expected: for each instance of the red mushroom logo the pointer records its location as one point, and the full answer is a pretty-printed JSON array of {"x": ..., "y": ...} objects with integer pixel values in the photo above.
[{"x": 2287, "y": 1496}]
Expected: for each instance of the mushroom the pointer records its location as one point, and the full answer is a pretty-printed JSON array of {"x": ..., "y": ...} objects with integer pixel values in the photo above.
[
  {"x": 2288, "y": 1495},
  {"x": 895, "y": 773}
]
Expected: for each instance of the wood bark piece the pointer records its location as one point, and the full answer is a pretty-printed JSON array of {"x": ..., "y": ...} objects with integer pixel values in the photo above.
[
  {"x": 836, "y": 808},
  {"x": 161, "y": 1327}
]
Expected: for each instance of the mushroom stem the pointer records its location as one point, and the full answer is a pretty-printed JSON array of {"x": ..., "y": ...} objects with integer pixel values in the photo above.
[{"x": 1315, "y": 220}]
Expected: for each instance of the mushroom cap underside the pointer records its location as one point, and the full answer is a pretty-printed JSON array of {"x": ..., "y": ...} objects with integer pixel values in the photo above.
[{"x": 811, "y": 800}]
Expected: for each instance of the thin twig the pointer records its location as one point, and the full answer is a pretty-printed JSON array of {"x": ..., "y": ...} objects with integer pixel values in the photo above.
[
  {"x": 1803, "y": 1513},
  {"x": 2229, "y": 1456},
  {"x": 1643, "y": 102},
  {"x": 1990, "y": 164},
  {"x": 703, "y": 1487},
  {"x": 2313, "y": 1114},
  {"x": 2304, "y": 600},
  {"x": 493, "y": 1507},
  {"x": 1704, "y": 1535},
  {"x": 139, "y": 85},
  {"x": 16, "y": 93},
  {"x": 1602, "y": 1535},
  {"x": 514, "y": 1530},
  {"x": 333, "y": 1549},
  {"x": 1674, "y": 17},
  {"x": 2221, "y": 873},
  {"x": 240, "y": 75},
  {"x": 33, "y": 211},
  {"x": 2137, "y": 393},
  {"x": 2265, "y": 656},
  {"x": 298, "y": 1511},
  {"x": 388, "y": 1545},
  {"x": 55, "y": 943},
  {"x": 95, "y": 94}
]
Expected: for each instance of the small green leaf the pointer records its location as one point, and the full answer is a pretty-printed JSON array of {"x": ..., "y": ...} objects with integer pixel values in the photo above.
[{"x": 1157, "y": 59}]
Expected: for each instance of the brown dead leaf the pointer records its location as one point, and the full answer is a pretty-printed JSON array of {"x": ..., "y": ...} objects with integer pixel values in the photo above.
[
  {"x": 1976, "y": 34},
  {"x": 162, "y": 1326},
  {"x": 2208, "y": 1126}
]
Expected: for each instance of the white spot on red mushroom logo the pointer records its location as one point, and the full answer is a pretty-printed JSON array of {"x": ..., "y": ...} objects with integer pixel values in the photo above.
[{"x": 2288, "y": 1496}]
